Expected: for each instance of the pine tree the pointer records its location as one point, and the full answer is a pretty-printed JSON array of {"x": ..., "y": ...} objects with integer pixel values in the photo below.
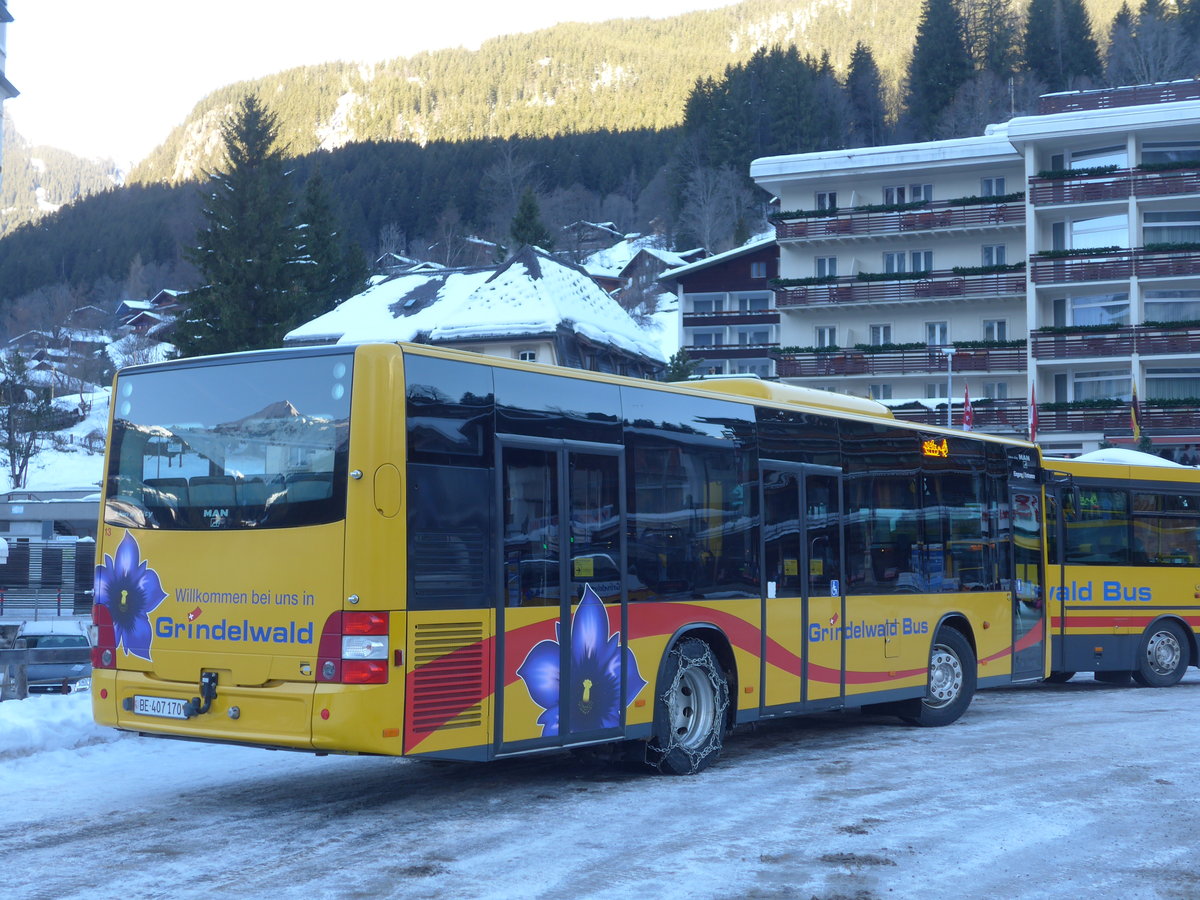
[
  {"x": 680, "y": 367},
  {"x": 527, "y": 226},
  {"x": 864, "y": 88},
  {"x": 246, "y": 250},
  {"x": 1059, "y": 48},
  {"x": 331, "y": 272},
  {"x": 940, "y": 65}
]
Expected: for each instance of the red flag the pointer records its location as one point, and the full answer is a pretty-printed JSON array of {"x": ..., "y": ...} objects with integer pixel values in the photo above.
[
  {"x": 1033, "y": 423},
  {"x": 968, "y": 413}
]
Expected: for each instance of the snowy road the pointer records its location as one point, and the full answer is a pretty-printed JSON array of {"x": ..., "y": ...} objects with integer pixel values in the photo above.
[{"x": 1078, "y": 791}]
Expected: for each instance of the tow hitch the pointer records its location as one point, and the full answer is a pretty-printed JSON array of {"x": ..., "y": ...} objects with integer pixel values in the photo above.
[{"x": 208, "y": 691}]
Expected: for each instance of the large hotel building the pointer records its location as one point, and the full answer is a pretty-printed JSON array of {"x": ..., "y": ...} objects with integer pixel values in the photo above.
[{"x": 1056, "y": 257}]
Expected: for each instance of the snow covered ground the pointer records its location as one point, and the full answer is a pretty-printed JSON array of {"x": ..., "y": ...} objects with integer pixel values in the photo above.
[{"x": 1077, "y": 791}]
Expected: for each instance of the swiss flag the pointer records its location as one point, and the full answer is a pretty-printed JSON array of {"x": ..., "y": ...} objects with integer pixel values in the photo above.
[{"x": 968, "y": 413}]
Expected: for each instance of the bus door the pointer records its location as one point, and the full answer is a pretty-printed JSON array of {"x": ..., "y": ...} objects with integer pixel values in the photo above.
[
  {"x": 1028, "y": 582},
  {"x": 563, "y": 564},
  {"x": 804, "y": 589}
]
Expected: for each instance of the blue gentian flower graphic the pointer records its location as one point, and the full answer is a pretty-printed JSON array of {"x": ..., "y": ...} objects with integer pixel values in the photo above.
[
  {"x": 131, "y": 591},
  {"x": 597, "y": 659}
]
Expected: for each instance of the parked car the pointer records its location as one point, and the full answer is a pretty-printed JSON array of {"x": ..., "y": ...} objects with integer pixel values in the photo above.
[{"x": 57, "y": 677}]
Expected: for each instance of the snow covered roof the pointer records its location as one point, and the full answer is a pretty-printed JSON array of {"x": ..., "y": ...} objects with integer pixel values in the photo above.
[
  {"x": 533, "y": 293},
  {"x": 755, "y": 243},
  {"x": 1119, "y": 457}
]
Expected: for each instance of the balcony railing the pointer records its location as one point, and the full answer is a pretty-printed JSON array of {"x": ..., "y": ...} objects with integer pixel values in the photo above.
[
  {"x": 1114, "y": 265},
  {"x": 1008, "y": 416},
  {"x": 1146, "y": 340},
  {"x": 730, "y": 351},
  {"x": 939, "y": 285},
  {"x": 731, "y": 317},
  {"x": 898, "y": 362},
  {"x": 1111, "y": 98},
  {"x": 1117, "y": 421},
  {"x": 1116, "y": 185},
  {"x": 932, "y": 217}
]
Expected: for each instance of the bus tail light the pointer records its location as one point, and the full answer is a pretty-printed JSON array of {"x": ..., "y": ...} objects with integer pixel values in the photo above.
[
  {"x": 354, "y": 649},
  {"x": 104, "y": 639}
]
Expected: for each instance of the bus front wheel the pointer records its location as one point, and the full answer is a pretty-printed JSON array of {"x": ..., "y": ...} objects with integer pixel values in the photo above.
[
  {"x": 690, "y": 711},
  {"x": 1162, "y": 656},
  {"x": 951, "y": 686}
]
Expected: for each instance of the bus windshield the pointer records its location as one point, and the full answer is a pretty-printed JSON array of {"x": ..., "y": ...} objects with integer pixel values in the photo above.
[{"x": 245, "y": 444}]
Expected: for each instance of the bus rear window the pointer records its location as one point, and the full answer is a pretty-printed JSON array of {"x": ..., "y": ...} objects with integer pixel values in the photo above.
[{"x": 244, "y": 444}]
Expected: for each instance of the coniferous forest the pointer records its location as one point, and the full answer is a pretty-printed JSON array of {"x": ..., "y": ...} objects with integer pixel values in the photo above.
[{"x": 648, "y": 124}]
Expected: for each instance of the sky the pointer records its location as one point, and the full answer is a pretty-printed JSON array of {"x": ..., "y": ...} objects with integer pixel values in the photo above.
[{"x": 112, "y": 79}]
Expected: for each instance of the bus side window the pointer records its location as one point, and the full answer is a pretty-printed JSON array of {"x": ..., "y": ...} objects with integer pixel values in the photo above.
[{"x": 1097, "y": 533}]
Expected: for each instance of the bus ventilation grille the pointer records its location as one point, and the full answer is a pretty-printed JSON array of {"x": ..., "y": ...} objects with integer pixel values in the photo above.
[{"x": 447, "y": 676}]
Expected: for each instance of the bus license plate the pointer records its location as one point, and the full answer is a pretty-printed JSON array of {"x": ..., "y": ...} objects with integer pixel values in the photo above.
[{"x": 160, "y": 707}]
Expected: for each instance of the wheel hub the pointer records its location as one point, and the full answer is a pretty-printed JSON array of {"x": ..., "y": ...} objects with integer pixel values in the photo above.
[
  {"x": 945, "y": 677},
  {"x": 1163, "y": 653}
]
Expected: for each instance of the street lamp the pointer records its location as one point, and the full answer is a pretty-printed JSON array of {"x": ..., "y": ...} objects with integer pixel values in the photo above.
[{"x": 949, "y": 351}]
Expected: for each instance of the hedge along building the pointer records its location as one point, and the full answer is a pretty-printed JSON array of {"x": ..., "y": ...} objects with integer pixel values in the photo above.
[{"x": 1056, "y": 257}]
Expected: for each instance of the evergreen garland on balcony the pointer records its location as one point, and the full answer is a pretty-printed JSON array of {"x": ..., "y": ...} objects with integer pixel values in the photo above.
[
  {"x": 975, "y": 200},
  {"x": 1171, "y": 246},
  {"x": 989, "y": 270},
  {"x": 1169, "y": 166},
  {"x": 1086, "y": 172},
  {"x": 1083, "y": 251}
]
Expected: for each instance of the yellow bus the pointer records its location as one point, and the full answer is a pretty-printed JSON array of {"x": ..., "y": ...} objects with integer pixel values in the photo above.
[
  {"x": 1123, "y": 577},
  {"x": 396, "y": 549}
]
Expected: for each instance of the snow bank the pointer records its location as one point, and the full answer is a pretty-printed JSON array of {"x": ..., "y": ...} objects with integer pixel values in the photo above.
[{"x": 49, "y": 722}]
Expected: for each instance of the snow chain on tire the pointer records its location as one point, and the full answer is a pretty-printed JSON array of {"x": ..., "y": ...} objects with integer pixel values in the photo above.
[{"x": 675, "y": 750}]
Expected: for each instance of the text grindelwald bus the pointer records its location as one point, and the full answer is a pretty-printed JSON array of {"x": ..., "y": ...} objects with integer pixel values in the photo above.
[{"x": 395, "y": 549}]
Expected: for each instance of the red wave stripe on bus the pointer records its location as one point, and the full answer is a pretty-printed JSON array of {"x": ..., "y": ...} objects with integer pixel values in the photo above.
[{"x": 1027, "y": 640}]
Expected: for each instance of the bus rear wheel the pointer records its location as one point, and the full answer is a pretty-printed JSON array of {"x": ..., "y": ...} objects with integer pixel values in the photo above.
[
  {"x": 1163, "y": 656},
  {"x": 952, "y": 676},
  {"x": 690, "y": 711}
]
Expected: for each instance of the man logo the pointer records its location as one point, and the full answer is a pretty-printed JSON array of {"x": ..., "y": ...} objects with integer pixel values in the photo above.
[{"x": 216, "y": 513}]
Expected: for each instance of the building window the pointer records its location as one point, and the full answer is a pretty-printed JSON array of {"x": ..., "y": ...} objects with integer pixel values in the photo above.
[
  {"x": 895, "y": 261},
  {"x": 1172, "y": 384},
  {"x": 995, "y": 390},
  {"x": 711, "y": 368},
  {"x": 1082, "y": 234},
  {"x": 994, "y": 255},
  {"x": 995, "y": 329},
  {"x": 1172, "y": 306},
  {"x": 920, "y": 193},
  {"x": 881, "y": 391},
  {"x": 759, "y": 367},
  {"x": 710, "y": 303},
  {"x": 992, "y": 187},
  {"x": 827, "y": 200},
  {"x": 825, "y": 266},
  {"x": 1101, "y": 156},
  {"x": 1103, "y": 385},
  {"x": 1176, "y": 227},
  {"x": 753, "y": 302},
  {"x": 880, "y": 334},
  {"x": 1099, "y": 309},
  {"x": 527, "y": 355},
  {"x": 937, "y": 334},
  {"x": 758, "y": 270},
  {"x": 756, "y": 336},
  {"x": 826, "y": 335},
  {"x": 921, "y": 261},
  {"x": 1170, "y": 151},
  {"x": 895, "y": 194},
  {"x": 935, "y": 390}
]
